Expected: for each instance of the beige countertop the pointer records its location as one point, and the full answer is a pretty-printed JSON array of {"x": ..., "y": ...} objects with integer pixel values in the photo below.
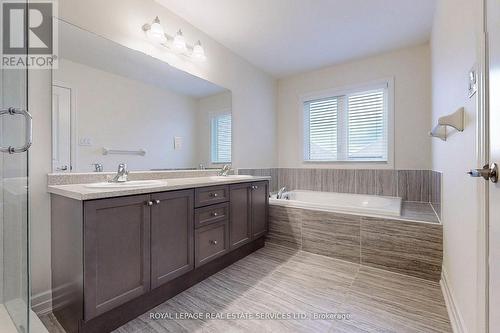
[{"x": 83, "y": 192}]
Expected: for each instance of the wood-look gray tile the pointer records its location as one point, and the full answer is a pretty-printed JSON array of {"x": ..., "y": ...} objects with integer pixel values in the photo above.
[
  {"x": 405, "y": 247},
  {"x": 370, "y": 314},
  {"x": 386, "y": 183},
  {"x": 285, "y": 226},
  {"x": 435, "y": 191},
  {"x": 418, "y": 211},
  {"x": 366, "y": 182},
  {"x": 414, "y": 185},
  {"x": 331, "y": 234},
  {"x": 408, "y": 291},
  {"x": 344, "y": 181},
  {"x": 276, "y": 279}
]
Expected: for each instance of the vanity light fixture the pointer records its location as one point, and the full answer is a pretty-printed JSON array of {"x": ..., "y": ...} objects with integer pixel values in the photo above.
[
  {"x": 156, "y": 31},
  {"x": 180, "y": 42},
  {"x": 198, "y": 51},
  {"x": 177, "y": 43}
]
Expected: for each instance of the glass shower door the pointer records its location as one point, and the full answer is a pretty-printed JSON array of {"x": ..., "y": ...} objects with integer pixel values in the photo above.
[{"x": 15, "y": 139}]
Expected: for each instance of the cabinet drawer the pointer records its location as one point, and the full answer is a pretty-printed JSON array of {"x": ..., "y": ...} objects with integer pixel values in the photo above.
[
  {"x": 211, "y": 214},
  {"x": 205, "y": 196},
  {"x": 211, "y": 242}
]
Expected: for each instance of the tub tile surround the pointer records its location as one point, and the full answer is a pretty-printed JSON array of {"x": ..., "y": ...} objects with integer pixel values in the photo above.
[
  {"x": 405, "y": 247},
  {"x": 332, "y": 235},
  {"x": 411, "y": 185}
]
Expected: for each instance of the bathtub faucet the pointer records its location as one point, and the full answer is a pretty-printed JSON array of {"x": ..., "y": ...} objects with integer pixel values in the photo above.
[{"x": 280, "y": 193}]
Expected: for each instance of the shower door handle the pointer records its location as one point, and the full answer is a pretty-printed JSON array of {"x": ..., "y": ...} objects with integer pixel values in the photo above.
[{"x": 29, "y": 130}]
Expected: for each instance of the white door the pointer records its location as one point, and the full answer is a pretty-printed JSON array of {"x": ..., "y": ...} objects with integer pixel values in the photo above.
[
  {"x": 61, "y": 129},
  {"x": 493, "y": 30}
]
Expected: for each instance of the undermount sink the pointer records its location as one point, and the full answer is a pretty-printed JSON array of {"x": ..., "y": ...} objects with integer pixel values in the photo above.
[
  {"x": 129, "y": 184},
  {"x": 230, "y": 177}
]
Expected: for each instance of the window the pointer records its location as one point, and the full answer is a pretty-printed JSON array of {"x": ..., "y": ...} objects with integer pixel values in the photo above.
[
  {"x": 351, "y": 127},
  {"x": 221, "y": 138}
]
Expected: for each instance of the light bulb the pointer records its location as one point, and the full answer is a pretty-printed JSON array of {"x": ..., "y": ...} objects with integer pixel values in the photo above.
[
  {"x": 156, "y": 31},
  {"x": 179, "y": 42},
  {"x": 199, "y": 52}
]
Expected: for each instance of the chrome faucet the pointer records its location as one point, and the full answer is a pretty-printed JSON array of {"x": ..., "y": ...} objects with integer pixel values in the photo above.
[
  {"x": 280, "y": 193},
  {"x": 225, "y": 170},
  {"x": 122, "y": 174},
  {"x": 98, "y": 167}
]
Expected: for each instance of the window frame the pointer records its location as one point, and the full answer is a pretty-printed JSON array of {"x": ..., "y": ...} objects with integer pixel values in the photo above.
[
  {"x": 347, "y": 90},
  {"x": 212, "y": 117}
]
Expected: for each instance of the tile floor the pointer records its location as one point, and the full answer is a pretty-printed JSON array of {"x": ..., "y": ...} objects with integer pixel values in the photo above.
[{"x": 281, "y": 281}]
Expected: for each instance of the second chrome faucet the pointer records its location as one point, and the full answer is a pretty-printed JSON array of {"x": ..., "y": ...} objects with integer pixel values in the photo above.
[{"x": 121, "y": 175}]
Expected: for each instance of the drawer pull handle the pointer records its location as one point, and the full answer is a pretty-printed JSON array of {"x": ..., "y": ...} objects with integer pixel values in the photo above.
[
  {"x": 213, "y": 242},
  {"x": 215, "y": 195},
  {"x": 215, "y": 214},
  {"x": 149, "y": 203}
]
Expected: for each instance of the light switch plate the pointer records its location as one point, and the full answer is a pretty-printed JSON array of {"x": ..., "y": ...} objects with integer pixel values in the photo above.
[
  {"x": 472, "y": 82},
  {"x": 177, "y": 142}
]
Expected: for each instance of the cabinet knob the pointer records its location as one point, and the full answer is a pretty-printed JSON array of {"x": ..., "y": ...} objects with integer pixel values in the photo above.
[
  {"x": 254, "y": 187},
  {"x": 214, "y": 195},
  {"x": 214, "y": 214},
  {"x": 157, "y": 201},
  {"x": 149, "y": 203},
  {"x": 213, "y": 242}
]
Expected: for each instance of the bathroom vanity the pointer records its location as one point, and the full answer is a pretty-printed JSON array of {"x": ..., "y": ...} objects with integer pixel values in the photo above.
[{"x": 116, "y": 253}]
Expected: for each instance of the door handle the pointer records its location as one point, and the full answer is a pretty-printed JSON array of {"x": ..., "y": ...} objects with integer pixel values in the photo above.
[
  {"x": 29, "y": 130},
  {"x": 488, "y": 172},
  {"x": 63, "y": 168}
]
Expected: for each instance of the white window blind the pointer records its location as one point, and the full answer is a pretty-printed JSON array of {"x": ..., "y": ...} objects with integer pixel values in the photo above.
[
  {"x": 348, "y": 127},
  {"x": 323, "y": 122},
  {"x": 221, "y": 138}
]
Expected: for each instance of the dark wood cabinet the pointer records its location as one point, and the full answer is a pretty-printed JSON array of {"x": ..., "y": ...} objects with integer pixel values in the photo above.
[
  {"x": 116, "y": 252},
  {"x": 205, "y": 196},
  {"x": 211, "y": 242},
  {"x": 113, "y": 259},
  {"x": 248, "y": 212},
  {"x": 240, "y": 223},
  {"x": 172, "y": 233},
  {"x": 260, "y": 200}
]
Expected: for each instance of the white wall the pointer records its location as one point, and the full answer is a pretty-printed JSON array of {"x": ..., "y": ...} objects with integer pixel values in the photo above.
[
  {"x": 253, "y": 94},
  {"x": 207, "y": 108},
  {"x": 120, "y": 113},
  {"x": 457, "y": 24},
  {"x": 410, "y": 68}
]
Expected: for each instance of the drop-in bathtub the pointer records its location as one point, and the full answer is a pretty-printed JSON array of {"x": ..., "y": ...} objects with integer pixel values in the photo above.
[{"x": 340, "y": 202}]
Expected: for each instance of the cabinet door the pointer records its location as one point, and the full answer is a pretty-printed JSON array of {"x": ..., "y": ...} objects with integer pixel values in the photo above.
[
  {"x": 172, "y": 234},
  {"x": 116, "y": 252},
  {"x": 240, "y": 231},
  {"x": 260, "y": 200}
]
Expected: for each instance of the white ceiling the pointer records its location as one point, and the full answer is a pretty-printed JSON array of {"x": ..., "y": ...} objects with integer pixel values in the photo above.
[{"x": 285, "y": 37}]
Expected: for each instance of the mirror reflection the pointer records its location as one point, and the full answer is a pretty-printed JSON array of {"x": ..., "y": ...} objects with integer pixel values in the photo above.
[{"x": 112, "y": 105}]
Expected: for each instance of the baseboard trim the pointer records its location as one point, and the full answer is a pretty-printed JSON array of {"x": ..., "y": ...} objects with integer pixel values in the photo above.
[
  {"x": 41, "y": 303},
  {"x": 456, "y": 319}
]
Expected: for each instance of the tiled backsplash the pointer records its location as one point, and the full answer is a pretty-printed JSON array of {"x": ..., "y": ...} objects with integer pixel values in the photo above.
[{"x": 411, "y": 185}]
